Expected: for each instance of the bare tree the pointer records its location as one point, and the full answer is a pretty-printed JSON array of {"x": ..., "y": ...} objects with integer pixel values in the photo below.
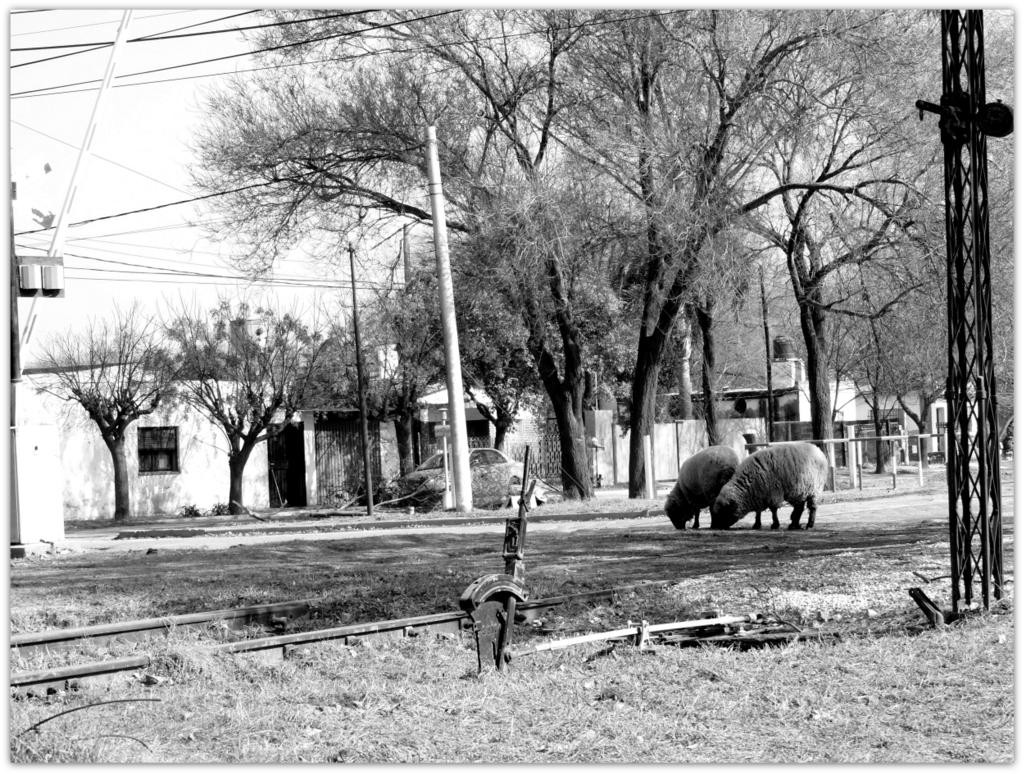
[
  {"x": 405, "y": 330},
  {"x": 246, "y": 369},
  {"x": 501, "y": 378},
  {"x": 117, "y": 369},
  {"x": 684, "y": 109}
]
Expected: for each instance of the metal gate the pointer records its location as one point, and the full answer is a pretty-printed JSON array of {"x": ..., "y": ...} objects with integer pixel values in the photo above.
[{"x": 339, "y": 458}]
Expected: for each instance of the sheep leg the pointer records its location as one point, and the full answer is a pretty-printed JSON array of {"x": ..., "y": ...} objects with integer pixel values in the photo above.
[
  {"x": 794, "y": 520},
  {"x": 757, "y": 520},
  {"x": 812, "y": 509},
  {"x": 775, "y": 518},
  {"x": 696, "y": 519}
]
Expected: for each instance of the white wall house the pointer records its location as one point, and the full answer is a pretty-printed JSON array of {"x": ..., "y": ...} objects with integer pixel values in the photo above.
[{"x": 175, "y": 457}]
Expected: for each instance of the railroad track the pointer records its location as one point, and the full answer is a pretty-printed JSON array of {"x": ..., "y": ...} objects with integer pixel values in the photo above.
[{"x": 276, "y": 646}]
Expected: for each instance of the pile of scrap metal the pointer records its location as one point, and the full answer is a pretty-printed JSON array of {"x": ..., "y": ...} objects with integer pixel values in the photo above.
[{"x": 743, "y": 631}]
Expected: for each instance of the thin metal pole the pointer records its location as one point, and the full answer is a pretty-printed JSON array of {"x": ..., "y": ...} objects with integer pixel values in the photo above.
[
  {"x": 364, "y": 431},
  {"x": 453, "y": 367},
  {"x": 767, "y": 360},
  {"x": 406, "y": 256}
]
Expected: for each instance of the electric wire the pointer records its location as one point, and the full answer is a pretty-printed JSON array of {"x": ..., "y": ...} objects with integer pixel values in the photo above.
[
  {"x": 102, "y": 158},
  {"x": 96, "y": 24},
  {"x": 103, "y": 45},
  {"x": 137, "y": 269},
  {"x": 49, "y": 91},
  {"x": 351, "y": 33},
  {"x": 155, "y": 207},
  {"x": 168, "y": 34}
]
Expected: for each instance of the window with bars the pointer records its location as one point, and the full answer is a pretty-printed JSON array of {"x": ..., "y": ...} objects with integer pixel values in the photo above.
[{"x": 158, "y": 450}]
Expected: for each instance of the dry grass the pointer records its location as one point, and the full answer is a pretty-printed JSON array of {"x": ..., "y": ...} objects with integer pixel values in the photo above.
[
  {"x": 878, "y": 694},
  {"x": 886, "y": 698}
]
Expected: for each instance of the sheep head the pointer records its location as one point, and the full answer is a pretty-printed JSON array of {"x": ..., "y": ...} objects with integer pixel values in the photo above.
[{"x": 725, "y": 511}]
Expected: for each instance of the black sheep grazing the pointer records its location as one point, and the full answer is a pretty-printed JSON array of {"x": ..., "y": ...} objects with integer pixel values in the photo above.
[
  {"x": 791, "y": 472},
  {"x": 699, "y": 481}
]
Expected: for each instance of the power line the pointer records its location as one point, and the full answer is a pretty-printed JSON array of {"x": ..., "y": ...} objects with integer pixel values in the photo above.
[
  {"x": 101, "y": 158},
  {"x": 60, "y": 56},
  {"x": 93, "y": 24},
  {"x": 139, "y": 246},
  {"x": 350, "y": 33},
  {"x": 51, "y": 91},
  {"x": 107, "y": 44},
  {"x": 167, "y": 34},
  {"x": 155, "y": 207},
  {"x": 161, "y": 272},
  {"x": 167, "y": 278}
]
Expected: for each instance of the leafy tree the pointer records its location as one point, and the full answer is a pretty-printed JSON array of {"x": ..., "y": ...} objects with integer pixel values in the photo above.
[
  {"x": 304, "y": 149},
  {"x": 116, "y": 369},
  {"x": 405, "y": 322},
  {"x": 860, "y": 214},
  {"x": 500, "y": 377},
  {"x": 680, "y": 111},
  {"x": 244, "y": 368}
]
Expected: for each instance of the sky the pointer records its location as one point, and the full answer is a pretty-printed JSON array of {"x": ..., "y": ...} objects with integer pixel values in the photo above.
[{"x": 139, "y": 158}]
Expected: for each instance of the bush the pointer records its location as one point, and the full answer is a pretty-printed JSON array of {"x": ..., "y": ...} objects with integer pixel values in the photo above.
[
  {"x": 189, "y": 512},
  {"x": 219, "y": 509}
]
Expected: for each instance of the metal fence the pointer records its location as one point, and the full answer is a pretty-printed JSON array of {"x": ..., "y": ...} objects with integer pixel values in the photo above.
[{"x": 853, "y": 448}]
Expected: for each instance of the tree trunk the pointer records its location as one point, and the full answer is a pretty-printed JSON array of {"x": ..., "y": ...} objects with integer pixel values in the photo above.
[
  {"x": 236, "y": 466},
  {"x": 876, "y": 419},
  {"x": 501, "y": 428},
  {"x": 684, "y": 402},
  {"x": 572, "y": 444},
  {"x": 921, "y": 419},
  {"x": 812, "y": 325},
  {"x": 122, "y": 489},
  {"x": 641, "y": 412},
  {"x": 705, "y": 322},
  {"x": 403, "y": 438},
  {"x": 925, "y": 426}
]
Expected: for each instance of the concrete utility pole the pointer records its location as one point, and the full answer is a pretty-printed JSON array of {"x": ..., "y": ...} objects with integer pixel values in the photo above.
[
  {"x": 453, "y": 366},
  {"x": 364, "y": 430}
]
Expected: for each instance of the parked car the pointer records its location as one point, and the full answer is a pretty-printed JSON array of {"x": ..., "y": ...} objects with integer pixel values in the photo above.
[{"x": 494, "y": 477}]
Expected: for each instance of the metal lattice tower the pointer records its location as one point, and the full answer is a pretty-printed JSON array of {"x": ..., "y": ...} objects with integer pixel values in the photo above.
[{"x": 975, "y": 510}]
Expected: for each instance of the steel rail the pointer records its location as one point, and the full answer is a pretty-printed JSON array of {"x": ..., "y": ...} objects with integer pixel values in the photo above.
[
  {"x": 449, "y": 622},
  {"x": 133, "y": 631}
]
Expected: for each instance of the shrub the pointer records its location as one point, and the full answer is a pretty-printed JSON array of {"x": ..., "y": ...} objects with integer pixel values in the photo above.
[{"x": 189, "y": 511}]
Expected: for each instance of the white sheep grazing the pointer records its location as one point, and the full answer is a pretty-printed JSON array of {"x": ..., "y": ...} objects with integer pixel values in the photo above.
[
  {"x": 700, "y": 479},
  {"x": 792, "y": 472}
]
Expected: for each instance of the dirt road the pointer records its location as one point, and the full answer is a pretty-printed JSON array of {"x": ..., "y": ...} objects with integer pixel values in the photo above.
[{"x": 882, "y": 513}]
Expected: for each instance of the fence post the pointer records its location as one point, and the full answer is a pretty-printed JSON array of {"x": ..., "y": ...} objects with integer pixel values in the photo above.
[
  {"x": 831, "y": 454},
  {"x": 851, "y": 455},
  {"x": 893, "y": 455},
  {"x": 648, "y": 469},
  {"x": 858, "y": 445},
  {"x": 920, "y": 461}
]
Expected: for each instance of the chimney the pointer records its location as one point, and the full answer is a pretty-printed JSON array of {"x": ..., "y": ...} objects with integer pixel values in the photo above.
[{"x": 790, "y": 367}]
